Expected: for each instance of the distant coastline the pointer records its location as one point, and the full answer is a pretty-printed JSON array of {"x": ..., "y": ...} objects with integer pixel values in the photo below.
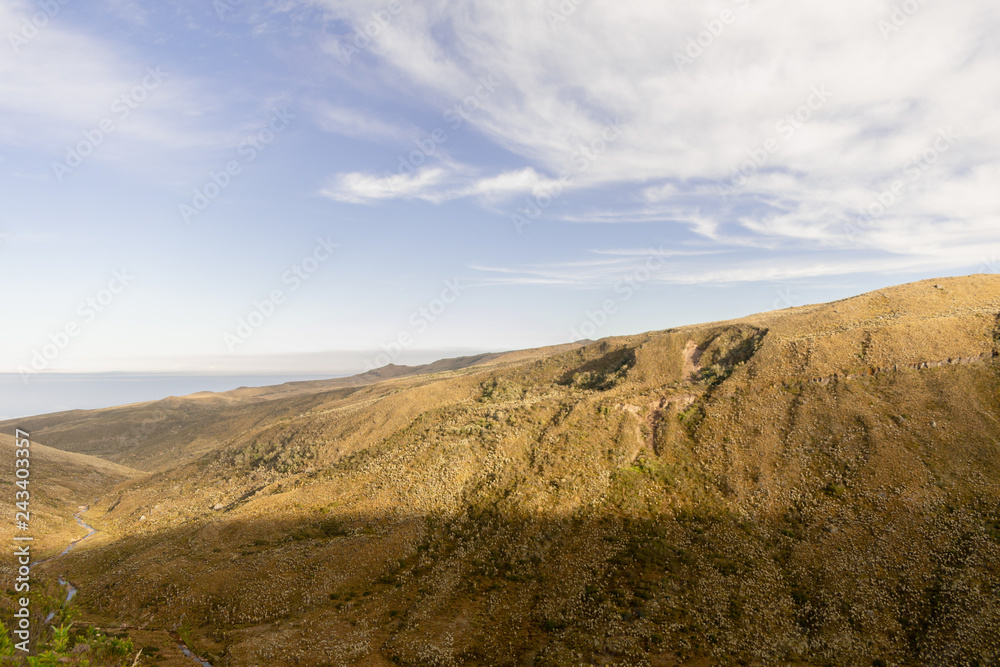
[{"x": 57, "y": 392}]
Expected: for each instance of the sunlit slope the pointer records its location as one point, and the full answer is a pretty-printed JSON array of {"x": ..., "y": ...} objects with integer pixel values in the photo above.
[
  {"x": 161, "y": 434},
  {"x": 811, "y": 486},
  {"x": 58, "y": 484}
]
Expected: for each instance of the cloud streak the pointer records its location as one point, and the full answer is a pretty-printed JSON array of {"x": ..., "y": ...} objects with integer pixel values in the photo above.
[{"x": 884, "y": 98}]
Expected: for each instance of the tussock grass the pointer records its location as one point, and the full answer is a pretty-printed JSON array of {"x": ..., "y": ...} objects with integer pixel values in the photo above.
[{"x": 815, "y": 486}]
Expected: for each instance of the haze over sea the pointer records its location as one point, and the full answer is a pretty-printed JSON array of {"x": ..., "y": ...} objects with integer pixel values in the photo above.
[{"x": 55, "y": 392}]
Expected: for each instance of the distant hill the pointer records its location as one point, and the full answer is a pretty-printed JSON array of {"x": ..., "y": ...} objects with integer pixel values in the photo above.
[
  {"x": 160, "y": 434},
  {"x": 811, "y": 486}
]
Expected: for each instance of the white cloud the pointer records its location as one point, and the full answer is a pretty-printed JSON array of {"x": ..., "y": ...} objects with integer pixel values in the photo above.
[
  {"x": 436, "y": 184},
  {"x": 510, "y": 183},
  {"x": 659, "y": 193},
  {"x": 359, "y": 188},
  {"x": 831, "y": 106}
]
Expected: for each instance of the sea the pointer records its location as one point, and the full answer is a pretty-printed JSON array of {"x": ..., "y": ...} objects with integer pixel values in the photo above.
[{"x": 56, "y": 392}]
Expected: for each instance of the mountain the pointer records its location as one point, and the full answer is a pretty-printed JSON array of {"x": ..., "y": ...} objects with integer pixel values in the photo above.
[
  {"x": 812, "y": 486},
  {"x": 159, "y": 434}
]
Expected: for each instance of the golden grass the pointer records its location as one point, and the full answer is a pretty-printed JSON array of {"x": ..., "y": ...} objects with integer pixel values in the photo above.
[{"x": 822, "y": 487}]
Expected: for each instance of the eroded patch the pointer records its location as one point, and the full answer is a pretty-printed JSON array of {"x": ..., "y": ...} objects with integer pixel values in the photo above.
[{"x": 692, "y": 361}]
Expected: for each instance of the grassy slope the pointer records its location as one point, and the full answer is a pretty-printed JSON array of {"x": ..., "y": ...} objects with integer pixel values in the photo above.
[
  {"x": 59, "y": 484},
  {"x": 821, "y": 487},
  {"x": 161, "y": 434}
]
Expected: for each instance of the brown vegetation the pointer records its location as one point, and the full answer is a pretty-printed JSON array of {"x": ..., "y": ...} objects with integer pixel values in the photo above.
[{"x": 812, "y": 486}]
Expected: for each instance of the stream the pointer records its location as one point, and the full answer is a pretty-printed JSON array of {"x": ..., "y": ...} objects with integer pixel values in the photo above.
[{"x": 71, "y": 589}]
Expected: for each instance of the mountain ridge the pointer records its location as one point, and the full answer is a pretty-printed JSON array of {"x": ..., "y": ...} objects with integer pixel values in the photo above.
[
  {"x": 99, "y": 432},
  {"x": 681, "y": 497}
]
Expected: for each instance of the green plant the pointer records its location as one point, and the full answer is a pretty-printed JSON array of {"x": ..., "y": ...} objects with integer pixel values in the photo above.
[
  {"x": 6, "y": 645},
  {"x": 331, "y": 527}
]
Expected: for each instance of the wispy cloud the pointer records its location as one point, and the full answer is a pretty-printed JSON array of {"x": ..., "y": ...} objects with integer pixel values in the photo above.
[
  {"x": 435, "y": 184},
  {"x": 357, "y": 123},
  {"x": 360, "y": 188},
  {"x": 833, "y": 111},
  {"x": 508, "y": 184},
  {"x": 728, "y": 267},
  {"x": 66, "y": 81}
]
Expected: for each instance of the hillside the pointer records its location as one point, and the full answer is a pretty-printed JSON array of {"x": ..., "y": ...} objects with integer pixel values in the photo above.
[
  {"x": 59, "y": 483},
  {"x": 812, "y": 486},
  {"x": 160, "y": 434}
]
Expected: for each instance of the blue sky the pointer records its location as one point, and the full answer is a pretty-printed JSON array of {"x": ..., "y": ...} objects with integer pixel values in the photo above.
[{"x": 324, "y": 185}]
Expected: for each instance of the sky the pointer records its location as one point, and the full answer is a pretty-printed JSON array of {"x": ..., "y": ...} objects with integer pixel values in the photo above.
[{"x": 320, "y": 185}]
